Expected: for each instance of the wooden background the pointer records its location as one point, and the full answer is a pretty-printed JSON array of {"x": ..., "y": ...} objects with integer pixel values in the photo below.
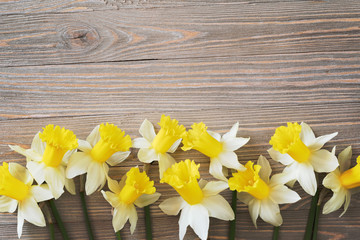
[{"x": 78, "y": 63}]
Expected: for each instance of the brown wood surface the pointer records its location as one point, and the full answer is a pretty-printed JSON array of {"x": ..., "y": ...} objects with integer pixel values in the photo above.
[{"x": 262, "y": 63}]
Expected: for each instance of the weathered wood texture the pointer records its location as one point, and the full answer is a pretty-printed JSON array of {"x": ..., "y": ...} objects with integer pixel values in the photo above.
[{"x": 262, "y": 63}]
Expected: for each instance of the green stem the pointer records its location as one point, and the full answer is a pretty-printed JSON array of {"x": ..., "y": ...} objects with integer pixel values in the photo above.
[
  {"x": 52, "y": 232},
  {"x": 232, "y": 229},
  {"x": 316, "y": 222},
  {"x": 58, "y": 219},
  {"x": 118, "y": 236},
  {"x": 148, "y": 223},
  {"x": 276, "y": 233},
  {"x": 311, "y": 218},
  {"x": 86, "y": 216}
]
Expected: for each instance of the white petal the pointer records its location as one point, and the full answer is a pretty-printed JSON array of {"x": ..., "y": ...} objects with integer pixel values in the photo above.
[
  {"x": 117, "y": 158},
  {"x": 345, "y": 159},
  {"x": 233, "y": 144},
  {"x": 84, "y": 146},
  {"x": 78, "y": 164},
  {"x": 270, "y": 212},
  {"x": 94, "y": 136},
  {"x": 165, "y": 162},
  {"x": 254, "y": 209},
  {"x": 41, "y": 193},
  {"x": 67, "y": 155},
  {"x": 218, "y": 207},
  {"x": 20, "y": 224},
  {"x": 37, "y": 171},
  {"x": 281, "y": 195},
  {"x": 230, "y": 160},
  {"x": 347, "y": 202},
  {"x": 113, "y": 185},
  {"x": 95, "y": 177},
  {"x": 184, "y": 220},
  {"x": 289, "y": 174},
  {"x": 18, "y": 149},
  {"x": 176, "y": 144},
  {"x": 202, "y": 183},
  {"x": 133, "y": 217},
  {"x": 320, "y": 141},
  {"x": 244, "y": 197},
  {"x": 335, "y": 201},
  {"x": 121, "y": 215},
  {"x": 147, "y": 130},
  {"x": 214, "y": 187},
  {"x": 215, "y": 135},
  {"x": 232, "y": 133},
  {"x": 31, "y": 212},
  {"x": 331, "y": 181},
  {"x": 265, "y": 169},
  {"x": 306, "y": 178},
  {"x": 323, "y": 161},
  {"x": 141, "y": 143},
  {"x": 172, "y": 206},
  {"x": 147, "y": 199},
  {"x": 199, "y": 220},
  {"x": 55, "y": 178},
  {"x": 278, "y": 157},
  {"x": 70, "y": 186},
  {"x": 216, "y": 169},
  {"x": 112, "y": 198},
  {"x": 8, "y": 204},
  {"x": 147, "y": 155},
  {"x": 20, "y": 172},
  {"x": 37, "y": 145},
  {"x": 307, "y": 136},
  {"x": 27, "y": 153}
]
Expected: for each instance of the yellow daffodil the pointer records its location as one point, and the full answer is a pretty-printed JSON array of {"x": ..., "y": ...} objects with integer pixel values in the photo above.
[
  {"x": 261, "y": 194},
  {"x": 343, "y": 182},
  {"x": 18, "y": 192},
  {"x": 296, "y": 147},
  {"x": 48, "y": 156},
  {"x": 135, "y": 188},
  {"x": 155, "y": 147},
  {"x": 219, "y": 149},
  {"x": 106, "y": 144},
  {"x": 198, "y": 200}
]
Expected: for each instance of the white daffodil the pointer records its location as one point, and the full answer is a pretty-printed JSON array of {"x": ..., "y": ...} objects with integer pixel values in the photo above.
[
  {"x": 48, "y": 156},
  {"x": 155, "y": 147},
  {"x": 343, "y": 182},
  {"x": 106, "y": 144},
  {"x": 18, "y": 192},
  {"x": 135, "y": 188},
  {"x": 198, "y": 200},
  {"x": 261, "y": 194},
  {"x": 296, "y": 147},
  {"x": 219, "y": 149}
]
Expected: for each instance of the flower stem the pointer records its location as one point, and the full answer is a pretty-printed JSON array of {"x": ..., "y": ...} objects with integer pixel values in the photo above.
[
  {"x": 276, "y": 233},
  {"x": 52, "y": 232},
  {"x": 58, "y": 219},
  {"x": 84, "y": 207},
  {"x": 232, "y": 229},
  {"x": 312, "y": 216},
  {"x": 118, "y": 235},
  {"x": 48, "y": 218},
  {"x": 147, "y": 210},
  {"x": 148, "y": 223}
]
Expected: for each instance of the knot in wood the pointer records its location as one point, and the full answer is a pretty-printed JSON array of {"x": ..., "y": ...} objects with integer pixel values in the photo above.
[{"x": 79, "y": 36}]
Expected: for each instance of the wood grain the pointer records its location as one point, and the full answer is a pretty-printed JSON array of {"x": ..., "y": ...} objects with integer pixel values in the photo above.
[{"x": 79, "y": 63}]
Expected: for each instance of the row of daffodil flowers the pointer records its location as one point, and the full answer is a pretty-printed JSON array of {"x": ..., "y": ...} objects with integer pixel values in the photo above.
[{"x": 56, "y": 156}]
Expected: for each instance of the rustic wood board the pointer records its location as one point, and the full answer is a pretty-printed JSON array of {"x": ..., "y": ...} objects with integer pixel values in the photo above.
[{"x": 261, "y": 63}]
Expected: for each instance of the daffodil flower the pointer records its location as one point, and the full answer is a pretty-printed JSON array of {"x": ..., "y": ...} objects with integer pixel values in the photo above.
[
  {"x": 262, "y": 194},
  {"x": 135, "y": 188},
  {"x": 343, "y": 182},
  {"x": 219, "y": 149},
  {"x": 155, "y": 147},
  {"x": 198, "y": 200},
  {"x": 296, "y": 147},
  {"x": 48, "y": 156},
  {"x": 106, "y": 144},
  {"x": 18, "y": 192}
]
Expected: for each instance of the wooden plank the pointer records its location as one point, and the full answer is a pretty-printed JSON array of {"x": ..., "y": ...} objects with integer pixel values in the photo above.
[{"x": 186, "y": 32}]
